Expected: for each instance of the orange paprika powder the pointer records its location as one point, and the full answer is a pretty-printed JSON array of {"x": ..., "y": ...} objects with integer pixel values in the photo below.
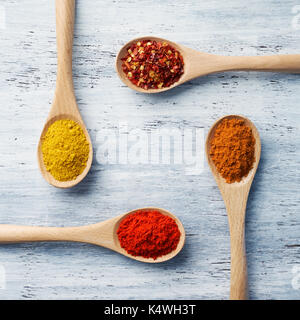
[
  {"x": 232, "y": 149},
  {"x": 148, "y": 233}
]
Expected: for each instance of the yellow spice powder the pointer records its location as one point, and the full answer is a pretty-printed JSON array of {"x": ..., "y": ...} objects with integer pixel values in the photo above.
[{"x": 65, "y": 150}]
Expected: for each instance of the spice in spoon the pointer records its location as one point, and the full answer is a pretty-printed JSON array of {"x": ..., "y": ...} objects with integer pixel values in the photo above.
[
  {"x": 232, "y": 149},
  {"x": 151, "y": 64},
  {"x": 65, "y": 150},
  {"x": 148, "y": 233}
]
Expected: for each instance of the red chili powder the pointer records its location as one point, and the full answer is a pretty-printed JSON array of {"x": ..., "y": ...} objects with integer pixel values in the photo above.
[
  {"x": 148, "y": 233},
  {"x": 152, "y": 64}
]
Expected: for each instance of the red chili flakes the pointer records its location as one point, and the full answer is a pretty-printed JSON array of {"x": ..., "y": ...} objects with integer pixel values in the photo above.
[{"x": 152, "y": 64}]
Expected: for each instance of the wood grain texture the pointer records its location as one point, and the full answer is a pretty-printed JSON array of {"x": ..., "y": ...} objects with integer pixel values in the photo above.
[{"x": 202, "y": 269}]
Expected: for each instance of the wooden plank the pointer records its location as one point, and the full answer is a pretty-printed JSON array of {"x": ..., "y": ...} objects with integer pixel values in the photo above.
[{"x": 271, "y": 101}]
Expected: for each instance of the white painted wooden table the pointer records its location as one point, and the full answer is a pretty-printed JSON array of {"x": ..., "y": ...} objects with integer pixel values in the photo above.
[{"x": 202, "y": 270}]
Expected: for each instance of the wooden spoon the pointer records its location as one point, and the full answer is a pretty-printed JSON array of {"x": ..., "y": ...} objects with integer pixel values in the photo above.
[
  {"x": 198, "y": 64},
  {"x": 64, "y": 105},
  {"x": 235, "y": 196},
  {"x": 103, "y": 234}
]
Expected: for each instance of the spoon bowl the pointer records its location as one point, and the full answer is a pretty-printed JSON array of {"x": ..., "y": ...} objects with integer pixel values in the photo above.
[
  {"x": 64, "y": 105},
  {"x": 235, "y": 196},
  {"x": 46, "y": 174},
  {"x": 197, "y": 64},
  {"x": 150, "y": 260},
  {"x": 247, "y": 179},
  {"x": 123, "y": 52},
  {"x": 103, "y": 234}
]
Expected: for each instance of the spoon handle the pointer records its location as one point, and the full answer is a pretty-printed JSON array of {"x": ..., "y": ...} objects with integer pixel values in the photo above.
[
  {"x": 236, "y": 209},
  {"x": 100, "y": 233},
  {"x": 239, "y": 278},
  {"x": 15, "y": 233},
  {"x": 65, "y": 16},
  {"x": 276, "y": 63}
]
